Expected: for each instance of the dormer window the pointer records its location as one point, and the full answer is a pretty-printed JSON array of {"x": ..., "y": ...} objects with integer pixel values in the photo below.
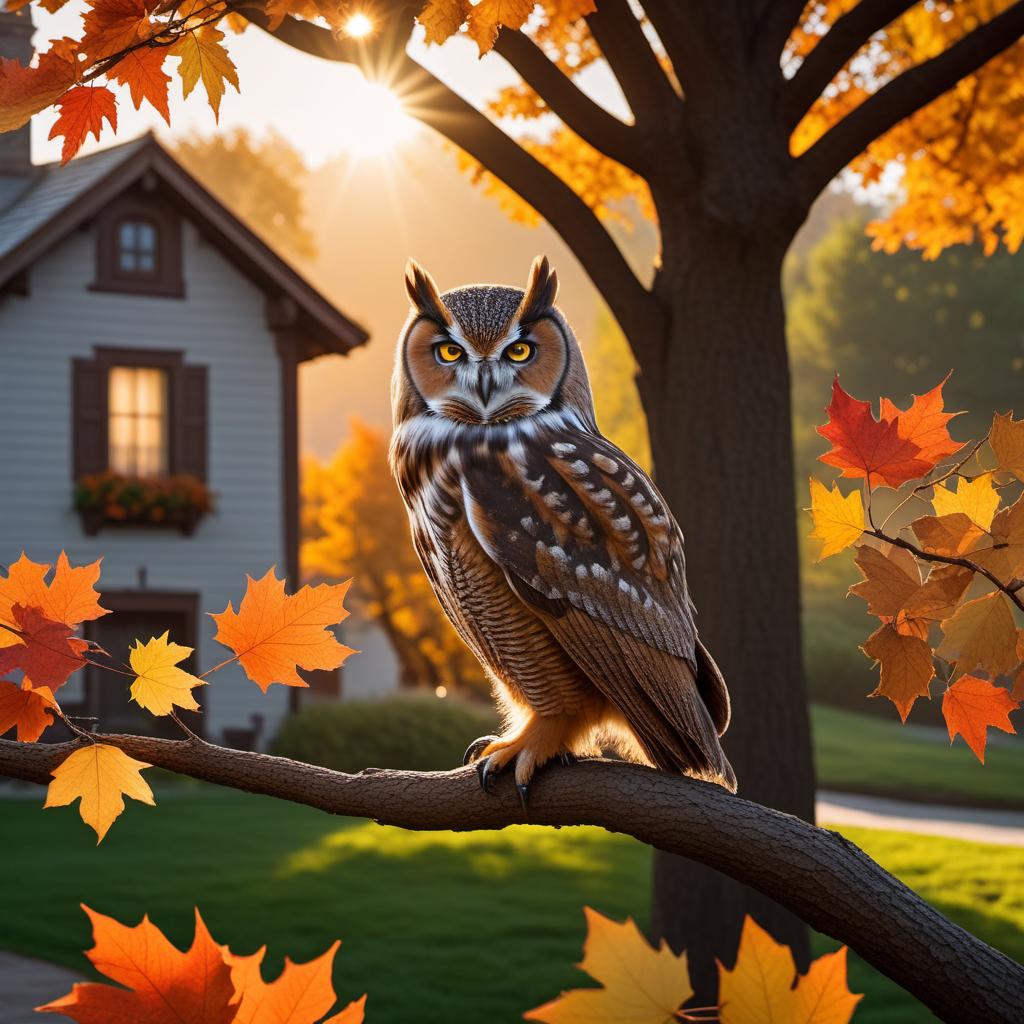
[{"x": 137, "y": 247}]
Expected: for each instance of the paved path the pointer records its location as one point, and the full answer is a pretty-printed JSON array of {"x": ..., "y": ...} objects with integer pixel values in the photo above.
[
  {"x": 25, "y": 984},
  {"x": 977, "y": 824}
]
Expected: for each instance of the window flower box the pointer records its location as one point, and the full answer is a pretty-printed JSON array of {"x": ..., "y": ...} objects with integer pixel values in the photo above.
[{"x": 111, "y": 499}]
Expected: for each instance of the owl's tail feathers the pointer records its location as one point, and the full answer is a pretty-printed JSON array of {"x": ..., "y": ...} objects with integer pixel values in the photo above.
[{"x": 712, "y": 689}]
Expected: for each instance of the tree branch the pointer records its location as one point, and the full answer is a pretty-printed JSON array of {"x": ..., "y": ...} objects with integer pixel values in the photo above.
[
  {"x": 830, "y": 55},
  {"x": 434, "y": 104},
  {"x": 903, "y": 96},
  {"x": 817, "y": 874},
  {"x": 589, "y": 120},
  {"x": 634, "y": 63}
]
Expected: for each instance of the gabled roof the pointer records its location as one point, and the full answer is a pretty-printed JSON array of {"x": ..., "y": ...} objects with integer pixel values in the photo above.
[{"x": 38, "y": 211}]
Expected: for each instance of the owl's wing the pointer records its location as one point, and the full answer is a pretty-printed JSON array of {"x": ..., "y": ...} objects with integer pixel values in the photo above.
[{"x": 588, "y": 543}]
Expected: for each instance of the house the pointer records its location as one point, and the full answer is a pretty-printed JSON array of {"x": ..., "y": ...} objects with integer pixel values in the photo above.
[{"x": 147, "y": 334}]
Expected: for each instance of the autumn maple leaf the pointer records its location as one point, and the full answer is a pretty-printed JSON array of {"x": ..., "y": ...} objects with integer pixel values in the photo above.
[
  {"x": 25, "y": 91},
  {"x": 897, "y": 447},
  {"x": 26, "y": 707},
  {"x": 142, "y": 71},
  {"x": 100, "y": 776},
  {"x": 82, "y": 112},
  {"x": 838, "y": 520},
  {"x": 47, "y": 651},
  {"x": 906, "y": 666},
  {"x": 159, "y": 684},
  {"x": 162, "y": 984},
  {"x": 203, "y": 58},
  {"x": 971, "y": 705},
  {"x": 273, "y": 633}
]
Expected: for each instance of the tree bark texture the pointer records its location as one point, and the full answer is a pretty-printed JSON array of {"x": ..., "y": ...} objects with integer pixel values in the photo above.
[{"x": 814, "y": 873}]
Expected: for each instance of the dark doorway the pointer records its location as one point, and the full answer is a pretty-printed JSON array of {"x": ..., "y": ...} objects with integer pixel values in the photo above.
[{"x": 138, "y": 615}]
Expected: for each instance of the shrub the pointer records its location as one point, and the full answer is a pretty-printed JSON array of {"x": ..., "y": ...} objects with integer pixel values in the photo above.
[{"x": 413, "y": 732}]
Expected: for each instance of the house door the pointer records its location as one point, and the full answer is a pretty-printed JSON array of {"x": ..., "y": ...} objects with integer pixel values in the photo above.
[{"x": 138, "y": 616}]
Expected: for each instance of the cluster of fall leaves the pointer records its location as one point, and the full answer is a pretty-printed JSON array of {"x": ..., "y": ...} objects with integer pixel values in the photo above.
[
  {"x": 954, "y": 574},
  {"x": 159, "y": 984},
  {"x": 128, "y": 43},
  {"x": 272, "y": 635}
]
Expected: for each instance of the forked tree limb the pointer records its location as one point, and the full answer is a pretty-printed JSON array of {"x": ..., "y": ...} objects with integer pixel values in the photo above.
[{"x": 820, "y": 876}]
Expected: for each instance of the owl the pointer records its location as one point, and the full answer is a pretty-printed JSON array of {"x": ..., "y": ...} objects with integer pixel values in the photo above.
[{"x": 550, "y": 550}]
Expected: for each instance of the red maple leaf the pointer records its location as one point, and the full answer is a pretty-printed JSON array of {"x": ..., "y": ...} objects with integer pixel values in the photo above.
[
  {"x": 48, "y": 653},
  {"x": 83, "y": 111}
]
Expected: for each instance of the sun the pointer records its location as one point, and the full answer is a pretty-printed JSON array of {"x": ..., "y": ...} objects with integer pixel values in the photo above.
[{"x": 373, "y": 121}]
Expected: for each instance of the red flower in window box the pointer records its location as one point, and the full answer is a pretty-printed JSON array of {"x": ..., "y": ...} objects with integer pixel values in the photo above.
[{"x": 172, "y": 502}]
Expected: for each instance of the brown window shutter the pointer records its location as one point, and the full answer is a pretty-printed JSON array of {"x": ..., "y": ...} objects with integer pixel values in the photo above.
[
  {"x": 89, "y": 417},
  {"x": 193, "y": 419}
]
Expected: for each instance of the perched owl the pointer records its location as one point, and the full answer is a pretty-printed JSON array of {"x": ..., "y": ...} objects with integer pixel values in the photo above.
[{"x": 551, "y": 551}]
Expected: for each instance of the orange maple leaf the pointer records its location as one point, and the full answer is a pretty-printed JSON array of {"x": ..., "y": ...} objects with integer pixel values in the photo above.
[
  {"x": 273, "y": 633},
  {"x": 971, "y": 705},
  {"x": 142, "y": 71},
  {"x": 25, "y": 91},
  {"x": 162, "y": 984},
  {"x": 47, "y": 651},
  {"x": 27, "y": 707},
  {"x": 110, "y": 26},
  {"x": 863, "y": 446},
  {"x": 924, "y": 424},
  {"x": 83, "y": 111},
  {"x": 70, "y": 597}
]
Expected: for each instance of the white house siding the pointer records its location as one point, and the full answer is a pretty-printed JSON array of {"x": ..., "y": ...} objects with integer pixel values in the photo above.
[{"x": 221, "y": 324}]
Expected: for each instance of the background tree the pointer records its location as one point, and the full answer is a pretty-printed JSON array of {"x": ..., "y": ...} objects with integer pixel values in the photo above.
[
  {"x": 261, "y": 180},
  {"x": 741, "y": 114},
  {"x": 354, "y": 524}
]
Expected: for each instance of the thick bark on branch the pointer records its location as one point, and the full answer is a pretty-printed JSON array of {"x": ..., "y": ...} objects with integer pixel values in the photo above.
[
  {"x": 903, "y": 96},
  {"x": 819, "y": 875},
  {"x": 829, "y": 56}
]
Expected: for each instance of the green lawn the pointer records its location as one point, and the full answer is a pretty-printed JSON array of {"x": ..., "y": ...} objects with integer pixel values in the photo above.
[
  {"x": 863, "y": 754},
  {"x": 436, "y": 927}
]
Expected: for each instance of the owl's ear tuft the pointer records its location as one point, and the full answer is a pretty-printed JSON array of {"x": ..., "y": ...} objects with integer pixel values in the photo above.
[
  {"x": 541, "y": 289},
  {"x": 423, "y": 294}
]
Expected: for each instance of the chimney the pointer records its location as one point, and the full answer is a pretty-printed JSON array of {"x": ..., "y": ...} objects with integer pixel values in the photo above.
[{"x": 16, "y": 30}]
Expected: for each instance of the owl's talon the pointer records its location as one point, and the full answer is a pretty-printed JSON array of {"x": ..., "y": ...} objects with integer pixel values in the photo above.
[
  {"x": 567, "y": 758},
  {"x": 476, "y": 748},
  {"x": 486, "y": 772},
  {"x": 523, "y": 788}
]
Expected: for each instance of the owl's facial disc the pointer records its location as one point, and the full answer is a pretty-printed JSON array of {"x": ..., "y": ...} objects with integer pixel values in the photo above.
[{"x": 486, "y": 380}]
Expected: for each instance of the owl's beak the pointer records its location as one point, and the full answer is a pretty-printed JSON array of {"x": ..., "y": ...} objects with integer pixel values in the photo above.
[{"x": 485, "y": 385}]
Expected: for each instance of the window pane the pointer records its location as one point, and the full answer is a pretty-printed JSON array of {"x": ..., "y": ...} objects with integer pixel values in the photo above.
[
  {"x": 137, "y": 244},
  {"x": 145, "y": 238},
  {"x": 138, "y": 425},
  {"x": 127, "y": 233}
]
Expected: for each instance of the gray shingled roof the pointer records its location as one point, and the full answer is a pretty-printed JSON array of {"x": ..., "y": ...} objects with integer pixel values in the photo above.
[{"x": 27, "y": 205}]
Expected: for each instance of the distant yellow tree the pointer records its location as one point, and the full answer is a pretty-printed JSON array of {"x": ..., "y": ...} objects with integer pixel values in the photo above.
[
  {"x": 620, "y": 414},
  {"x": 354, "y": 524}
]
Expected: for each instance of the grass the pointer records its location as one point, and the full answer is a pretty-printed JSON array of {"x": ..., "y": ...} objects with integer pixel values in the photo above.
[
  {"x": 863, "y": 754},
  {"x": 437, "y": 927}
]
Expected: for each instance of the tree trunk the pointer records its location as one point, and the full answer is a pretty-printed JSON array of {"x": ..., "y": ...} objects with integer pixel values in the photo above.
[{"x": 717, "y": 398}]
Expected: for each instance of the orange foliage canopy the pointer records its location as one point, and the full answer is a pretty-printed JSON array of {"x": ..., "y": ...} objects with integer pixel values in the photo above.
[
  {"x": 206, "y": 985},
  {"x": 961, "y": 156}
]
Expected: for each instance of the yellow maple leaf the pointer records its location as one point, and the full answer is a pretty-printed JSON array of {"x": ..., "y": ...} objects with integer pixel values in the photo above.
[
  {"x": 1007, "y": 441},
  {"x": 1003, "y": 553},
  {"x": 159, "y": 684},
  {"x": 981, "y": 634},
  {"x": 443, "y": 18},
  {"x": 838, "y": 521},
  {"x": 203, "y": 57},
  {"x": 642, "y": 985},
  {"x": 486, "y": 19},
  {"x": 272, "y": 633},
  {"x": 760, "y": 987},
  {"x": 977, "y": 499},
  {"x": 906, "y": 666},
  {"x": 101, "y": 775}
]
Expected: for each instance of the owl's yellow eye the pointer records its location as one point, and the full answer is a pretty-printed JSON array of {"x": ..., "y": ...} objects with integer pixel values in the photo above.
[
  {"x": 447, "y": 352},
  {"x": 519, "y": 351}
]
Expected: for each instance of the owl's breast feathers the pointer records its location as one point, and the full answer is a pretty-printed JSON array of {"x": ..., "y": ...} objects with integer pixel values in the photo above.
[{"x": 589, "y": 546}]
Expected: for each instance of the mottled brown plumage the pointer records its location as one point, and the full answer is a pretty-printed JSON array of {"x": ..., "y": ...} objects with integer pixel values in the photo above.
[{"x": 550, "y": 550}]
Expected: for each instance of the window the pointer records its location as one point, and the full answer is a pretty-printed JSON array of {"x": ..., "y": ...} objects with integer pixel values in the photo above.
[
  {"x": 137, "y": 425},
  {"x": 137, "y": 247}
]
